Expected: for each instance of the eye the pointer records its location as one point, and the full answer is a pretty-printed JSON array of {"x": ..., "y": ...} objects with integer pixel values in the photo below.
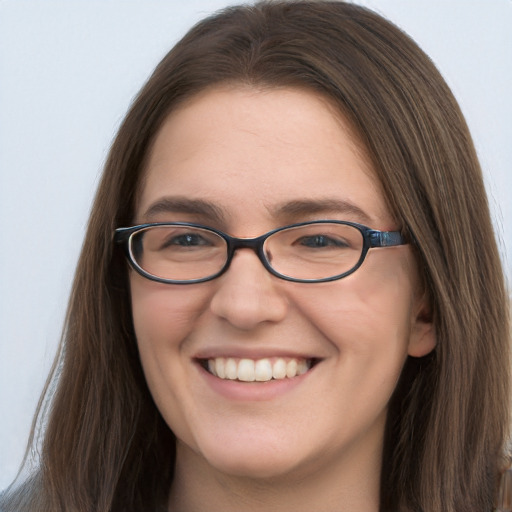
[
  {"x": 321, "y": 241},
  {"x": 186, "y": 240}
]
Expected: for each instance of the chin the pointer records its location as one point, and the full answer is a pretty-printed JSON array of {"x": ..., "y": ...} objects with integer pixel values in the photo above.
[
  {"x": 250, "y": 458},
  {"x": 261, "y": 467}
]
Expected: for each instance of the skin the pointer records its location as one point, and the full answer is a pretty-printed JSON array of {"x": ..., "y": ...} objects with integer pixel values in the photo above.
[{"x": 248, "y": 152}]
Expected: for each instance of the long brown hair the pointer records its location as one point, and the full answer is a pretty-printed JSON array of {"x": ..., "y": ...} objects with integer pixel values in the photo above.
[{"x": 105, "y": 445}]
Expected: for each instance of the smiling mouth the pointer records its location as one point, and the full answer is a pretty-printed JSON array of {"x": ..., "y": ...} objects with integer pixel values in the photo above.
[{"x": 259, "y": 370}]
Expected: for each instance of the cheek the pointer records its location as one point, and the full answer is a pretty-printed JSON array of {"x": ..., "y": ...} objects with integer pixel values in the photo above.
[
  {"x": 163, "y": 314},
  {"x": 369, "y": 313}
]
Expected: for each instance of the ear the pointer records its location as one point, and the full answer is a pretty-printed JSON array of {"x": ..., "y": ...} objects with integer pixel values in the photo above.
[{"x": 423, "y": 336}]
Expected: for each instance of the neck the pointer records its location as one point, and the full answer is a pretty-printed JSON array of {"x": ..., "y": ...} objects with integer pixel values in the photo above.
[{"x": 342, "y": 485}]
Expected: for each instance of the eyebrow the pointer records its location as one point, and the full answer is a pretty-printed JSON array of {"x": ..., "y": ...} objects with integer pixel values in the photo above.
[
  {"x": 290, "y": 210},
  {"x": 301, "y": 208},
  {"x": 185, "y": 205}
]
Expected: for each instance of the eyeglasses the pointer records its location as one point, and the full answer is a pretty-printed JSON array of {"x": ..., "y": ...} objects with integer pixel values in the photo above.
[{"x": 308, "y": 252}]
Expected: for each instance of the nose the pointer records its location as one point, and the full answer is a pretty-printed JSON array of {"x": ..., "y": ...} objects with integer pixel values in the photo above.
[{"x": 247, "y": 295}]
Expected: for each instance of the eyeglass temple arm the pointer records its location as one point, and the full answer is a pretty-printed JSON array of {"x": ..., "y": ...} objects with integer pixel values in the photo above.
[{"x": 385, "y": 238}]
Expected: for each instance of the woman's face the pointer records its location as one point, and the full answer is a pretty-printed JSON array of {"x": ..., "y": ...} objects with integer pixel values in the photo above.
[{"x": 246, "y": 161}]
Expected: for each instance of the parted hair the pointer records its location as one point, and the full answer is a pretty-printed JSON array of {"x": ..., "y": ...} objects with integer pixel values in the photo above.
[{"x": 104, "y": 445}]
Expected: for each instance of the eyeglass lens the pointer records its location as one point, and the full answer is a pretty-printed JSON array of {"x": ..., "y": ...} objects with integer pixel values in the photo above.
[{"x": 313, "y": 251}]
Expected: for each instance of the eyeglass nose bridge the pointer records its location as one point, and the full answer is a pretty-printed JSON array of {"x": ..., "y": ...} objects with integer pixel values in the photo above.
[{"x": 255, "y": 244}]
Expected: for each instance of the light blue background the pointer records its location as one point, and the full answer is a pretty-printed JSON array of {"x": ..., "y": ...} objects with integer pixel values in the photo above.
[{"x": 68, "y": 71}]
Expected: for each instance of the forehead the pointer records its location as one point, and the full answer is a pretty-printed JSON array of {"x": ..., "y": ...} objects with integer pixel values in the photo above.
[{"x": 244, "y": 149}]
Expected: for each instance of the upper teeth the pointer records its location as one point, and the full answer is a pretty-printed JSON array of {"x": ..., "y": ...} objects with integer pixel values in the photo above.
[{"x": 261, "y": 370}]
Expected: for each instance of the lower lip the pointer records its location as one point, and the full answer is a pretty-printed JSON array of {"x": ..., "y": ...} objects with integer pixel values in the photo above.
[{"x": 252, "y": 391}]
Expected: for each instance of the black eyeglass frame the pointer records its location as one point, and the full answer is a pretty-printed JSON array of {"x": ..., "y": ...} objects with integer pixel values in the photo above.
[{"x": 371, "y": 238}]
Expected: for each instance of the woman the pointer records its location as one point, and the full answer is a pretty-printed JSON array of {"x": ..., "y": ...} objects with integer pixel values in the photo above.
[{"x": 320, "y": 364}]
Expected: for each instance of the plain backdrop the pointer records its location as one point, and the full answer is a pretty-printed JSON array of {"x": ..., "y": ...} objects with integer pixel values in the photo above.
[{"x": 68, "y": 71}]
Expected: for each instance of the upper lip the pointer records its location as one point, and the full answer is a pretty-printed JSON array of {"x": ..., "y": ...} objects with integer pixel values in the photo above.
[{"x": 253, "y": 353}]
